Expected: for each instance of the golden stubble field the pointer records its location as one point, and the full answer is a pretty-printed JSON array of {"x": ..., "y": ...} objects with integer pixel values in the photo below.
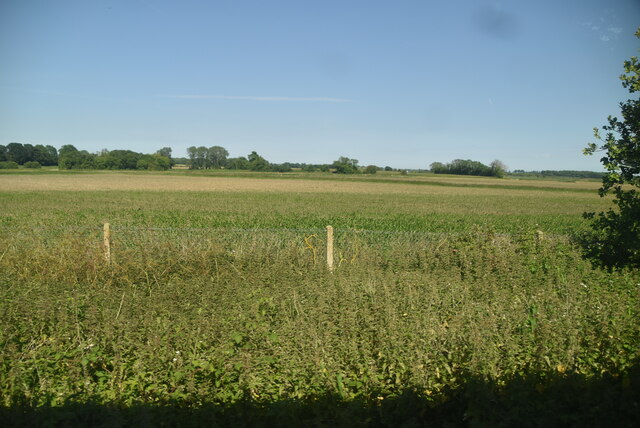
[{"x": 168, "y": 182}]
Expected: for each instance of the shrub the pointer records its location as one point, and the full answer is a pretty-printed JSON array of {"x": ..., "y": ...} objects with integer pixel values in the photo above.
[
  {"x": 371, "y": 169},
  {"x": 8, "y": 165}
]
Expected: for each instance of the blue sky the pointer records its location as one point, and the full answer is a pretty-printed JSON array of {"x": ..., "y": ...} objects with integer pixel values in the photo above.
[{"x": 402, "y": 83}]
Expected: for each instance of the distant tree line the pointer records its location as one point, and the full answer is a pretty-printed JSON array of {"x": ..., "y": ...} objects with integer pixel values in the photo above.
[
  {"x": 68, "y": 157},
  {"x": 470, "y": 167},
  {"x": 217, "y": 157},
  {"x": 559, "y": 173},
  {"x": 14, "y": 154},
  {"x": 345, "y": 165},
  {"x": 71, "y": 158}
]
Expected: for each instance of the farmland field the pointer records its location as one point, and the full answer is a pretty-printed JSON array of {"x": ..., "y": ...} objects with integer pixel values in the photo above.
[{"x": 446, "y": 307}]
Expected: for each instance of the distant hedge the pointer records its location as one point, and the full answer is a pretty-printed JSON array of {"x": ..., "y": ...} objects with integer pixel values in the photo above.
[{"x": 8, "y": 165}]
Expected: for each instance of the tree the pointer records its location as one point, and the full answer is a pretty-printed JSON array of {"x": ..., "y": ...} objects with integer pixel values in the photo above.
[
  {"x": 191, "y": 152},
  {"x": 201, "y": 157},
  {"x": 498, "y": 169},
  {"x": 371, "y": 169},
  {"x": 469, "y": 167},
  {"x": 166, "y": 152},
  {"x": 45, "y": 155},
  {"x": 216, "y": 157},
  {"x": 8, "y": 165},
  {"x": 28, "y": 149},
  {"x": 32, "y": 164},
  {"x": 344, "y": 165},
  {"x": 67, "y": 149},
  {"x": 72, "y": 158},
  {"x": 614, "y": 241},
  {"x": 153, "y": 162},
  {"x": 17, "y": 153},
  {"x": 238, "y": 163},
  {"x": 257, "y": 162},
  {"x": 197, "y": 157},
  {"x": 438, "y": 168}
]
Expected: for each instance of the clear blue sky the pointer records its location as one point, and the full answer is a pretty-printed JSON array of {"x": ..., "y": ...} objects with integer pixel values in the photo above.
[{"x": 402, "y": 83}]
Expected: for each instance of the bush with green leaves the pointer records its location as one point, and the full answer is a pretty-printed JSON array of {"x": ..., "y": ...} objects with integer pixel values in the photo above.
[
  {"x": 32, "y": 164},
  {"x": 615, "y": 239},
  {"x": 344, "y": 165},
  {"x": 8, "y": 165}
]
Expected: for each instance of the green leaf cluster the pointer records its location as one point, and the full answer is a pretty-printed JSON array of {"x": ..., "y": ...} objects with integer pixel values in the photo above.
[{"x": 615, "y": 239}]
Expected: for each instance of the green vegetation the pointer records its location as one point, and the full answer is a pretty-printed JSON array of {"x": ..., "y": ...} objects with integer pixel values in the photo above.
[
  {"x": 32, "y": 165},
  {"x": 446, "y": 308},
  {"x": 9, "y": 165},
  {"x": 556, "y": 174},
  {"x": 615, "y": 240},
  {"x": 344, "y": 165},
  {"x": 72, "y": 158},
  {"x": 25, "y": 153},
  {"x": 469, "y": 167},
  {"x": 207, "y": 158}
]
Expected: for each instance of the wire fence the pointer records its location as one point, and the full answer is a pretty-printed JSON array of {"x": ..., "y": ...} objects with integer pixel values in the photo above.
[
  {"x": 187, "y": 249},
  {"x": 129, "y": 236},
  {"x": 123, "y": 234},
  {"x": 115, "y": 237}
]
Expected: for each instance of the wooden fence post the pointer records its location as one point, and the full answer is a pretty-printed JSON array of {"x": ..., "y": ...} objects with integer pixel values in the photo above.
[
  {"x": 330, "y": 248},
  {"x": 106, "y": 239}
]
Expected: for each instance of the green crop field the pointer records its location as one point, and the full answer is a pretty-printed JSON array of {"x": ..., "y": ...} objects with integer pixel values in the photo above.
[{"x": 452, "y": 302}]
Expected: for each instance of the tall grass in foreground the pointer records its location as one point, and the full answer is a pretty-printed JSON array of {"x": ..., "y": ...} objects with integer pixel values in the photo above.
[{"x": 463, "y": 329}]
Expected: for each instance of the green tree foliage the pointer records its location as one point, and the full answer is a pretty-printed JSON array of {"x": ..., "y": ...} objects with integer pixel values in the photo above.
[
  {"x": 17, "y": 153},
  {"x": 615, "y": 238},
  {"x": 8, "y": 165},
  {"x": 498, "y": 168},
  {"x": 438, "y": 168},
  {"x": 45, "y": 155},
  {"x": 67, "y": 149},
  {"x": 371, "y": 169},
  {"x": 117, "y": 159},
  {"x": 558, "y": 173},
  {"x": 23, "y": 153},
  {"x": 344, "y": 165},
  {"x": 216, "y": 157},
  {"x": 192, "y": 153},
  {"x": 154, "y": 162},
  {"x": 202, "y": 157},
  {"x": 469, "y": 167},
  {"x": 257, "y": 162},
  {"x": 72, "y": 158},
  {"x": 197, "y": 157},
  {"x": 238, "y": 163},
  {"x": 166, "y": 152},
  {"x": 282, "y": 167}
]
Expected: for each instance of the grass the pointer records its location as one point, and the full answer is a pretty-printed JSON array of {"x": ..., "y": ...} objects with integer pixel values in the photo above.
[
  {"x": 170, "y": 200},
  {"x": 446, "y": 308}
]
